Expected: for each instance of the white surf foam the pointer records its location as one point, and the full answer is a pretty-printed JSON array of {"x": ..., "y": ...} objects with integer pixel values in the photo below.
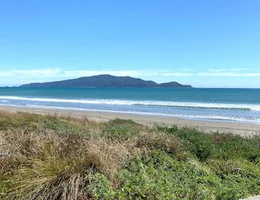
[
  {"x": 253, "y": 107},
  {"x": 204, "y": 117}
]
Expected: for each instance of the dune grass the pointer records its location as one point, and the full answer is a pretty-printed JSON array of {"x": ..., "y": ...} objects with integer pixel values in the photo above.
[{"x": 48, "y": 157}]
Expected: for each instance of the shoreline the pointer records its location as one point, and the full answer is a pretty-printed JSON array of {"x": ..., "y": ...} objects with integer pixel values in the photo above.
[{"x": 243, "y": 129}]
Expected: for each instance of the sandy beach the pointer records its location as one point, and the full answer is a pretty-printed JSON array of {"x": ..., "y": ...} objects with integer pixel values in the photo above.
[{"x": 243, "y": 129}]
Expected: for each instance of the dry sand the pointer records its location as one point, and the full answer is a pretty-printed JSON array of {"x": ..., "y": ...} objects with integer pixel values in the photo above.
[
  {"x": 253, "y": 198},
  {"x": 243, "y": 129}
]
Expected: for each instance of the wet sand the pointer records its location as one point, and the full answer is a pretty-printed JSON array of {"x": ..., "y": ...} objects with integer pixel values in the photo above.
[{"x": 243, "y": 129}]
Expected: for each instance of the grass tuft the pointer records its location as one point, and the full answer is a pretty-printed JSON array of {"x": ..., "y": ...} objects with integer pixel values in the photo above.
[{"x": 159, "y": 140}]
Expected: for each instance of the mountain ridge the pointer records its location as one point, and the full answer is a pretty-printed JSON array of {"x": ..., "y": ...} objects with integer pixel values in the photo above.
[{"x": 106, "y": 80}]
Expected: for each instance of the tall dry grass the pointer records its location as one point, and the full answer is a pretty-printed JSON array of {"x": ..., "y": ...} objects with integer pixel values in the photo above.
[{"x": 44, "y": 157}]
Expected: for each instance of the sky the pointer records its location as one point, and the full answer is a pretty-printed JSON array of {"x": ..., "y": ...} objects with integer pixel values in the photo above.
[{"x": 205, "y": 43}]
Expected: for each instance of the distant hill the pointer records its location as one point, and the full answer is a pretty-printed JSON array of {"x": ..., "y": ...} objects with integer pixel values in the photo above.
[
  {"x": 100, "y": 81},
  {"x": 173, "y": 84}
]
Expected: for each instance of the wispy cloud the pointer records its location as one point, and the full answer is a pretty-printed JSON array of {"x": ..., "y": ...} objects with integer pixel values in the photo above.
[
  {"x": 41, "y": 72},
  {"x": 229, "y": 70},
  {"x": 31, "y": 73},
  {"x": 228, "y": 74},
  {"x": 59, "y": 73},
  {"x": 50, "y": 74},
  {"x": 176, "y": 74}
]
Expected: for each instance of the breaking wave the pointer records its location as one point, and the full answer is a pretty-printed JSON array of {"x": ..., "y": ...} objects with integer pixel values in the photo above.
[{"x": 253, "y": 107}]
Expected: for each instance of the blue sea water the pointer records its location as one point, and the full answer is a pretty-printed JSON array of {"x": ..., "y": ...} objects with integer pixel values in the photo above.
[{"x": 235, "y": 105}]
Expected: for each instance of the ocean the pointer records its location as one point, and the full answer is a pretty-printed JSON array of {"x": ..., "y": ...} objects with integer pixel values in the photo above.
[{"x": 232, "y": 105}]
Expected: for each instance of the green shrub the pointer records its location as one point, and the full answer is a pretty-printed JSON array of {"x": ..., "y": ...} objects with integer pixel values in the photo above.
[
  {"x": 121, "y": 129},
  {"x": 197, "y": 143},
  {"x": 99, "y": 187},
  {"x": 159, "y": 140}
]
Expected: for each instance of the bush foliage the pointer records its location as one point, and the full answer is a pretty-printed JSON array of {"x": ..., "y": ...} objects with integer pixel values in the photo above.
[{"x": 50, "y": 157}]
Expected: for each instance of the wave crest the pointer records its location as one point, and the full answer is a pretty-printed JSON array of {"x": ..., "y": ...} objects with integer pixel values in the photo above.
[{"x": 253, "y": 107}]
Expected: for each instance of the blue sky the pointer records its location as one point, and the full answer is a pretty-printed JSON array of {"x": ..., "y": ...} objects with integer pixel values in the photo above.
[{"x": 205, "y": 43}]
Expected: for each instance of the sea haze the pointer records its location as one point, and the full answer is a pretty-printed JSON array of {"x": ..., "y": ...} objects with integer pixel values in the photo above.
[{"x": 234, "y": 105}]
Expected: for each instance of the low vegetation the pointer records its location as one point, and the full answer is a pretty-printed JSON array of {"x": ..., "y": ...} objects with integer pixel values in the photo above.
[{"x": 49, "y": 157}]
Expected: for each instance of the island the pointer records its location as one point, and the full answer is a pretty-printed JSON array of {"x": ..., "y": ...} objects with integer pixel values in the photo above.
[{"x": 107, "y": 81}]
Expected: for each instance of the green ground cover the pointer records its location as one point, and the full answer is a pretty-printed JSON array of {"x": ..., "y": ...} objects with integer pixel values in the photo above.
[{"x": 48, "y": 157}]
